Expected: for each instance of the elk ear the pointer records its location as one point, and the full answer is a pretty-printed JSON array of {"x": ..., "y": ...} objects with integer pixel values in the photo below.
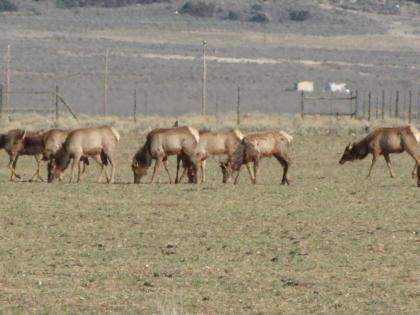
[{"x": 135, "y": 164}]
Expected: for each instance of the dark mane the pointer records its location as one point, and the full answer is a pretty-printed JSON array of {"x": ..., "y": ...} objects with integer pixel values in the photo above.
[
  {"x": 3, "y": 140},
  {"x": 238, "y": 156},
  {"x": 62, "y": 159},
  {"x": 143, "y": 155},
  {"x": 360, "y": 149}
]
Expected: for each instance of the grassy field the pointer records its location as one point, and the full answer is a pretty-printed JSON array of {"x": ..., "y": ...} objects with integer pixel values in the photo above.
[{"x": 333, "y": 242}]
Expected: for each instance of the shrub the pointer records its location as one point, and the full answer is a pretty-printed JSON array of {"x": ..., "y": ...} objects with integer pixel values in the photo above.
[
  {"x": 259, "y": 17},
  {"x": 299, "y": 15},
  {"x": 233, "y": 16},
  {"x": 7, "y": 6},
  {"x": 199, "y": 9}
]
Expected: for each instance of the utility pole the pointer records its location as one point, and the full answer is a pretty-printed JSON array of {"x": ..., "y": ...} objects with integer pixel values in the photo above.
[
  {"x": 106, "y": 73},
  {"x": 7, "y": 85},
  {"x": 204, "y": 85}
]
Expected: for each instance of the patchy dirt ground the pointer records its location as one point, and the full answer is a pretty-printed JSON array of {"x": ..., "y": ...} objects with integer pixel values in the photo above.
[{"x": 332, "y": 242}]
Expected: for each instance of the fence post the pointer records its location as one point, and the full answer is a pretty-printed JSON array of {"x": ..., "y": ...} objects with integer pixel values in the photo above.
[
  {"x": 135, "y": 106},
  {"x": 57, "y": 111},
  {"x": 383, "y": 105},
  {"x": 217, "y": 107},
  {"x": 351, "y": 104},
  {"x": 356, "y": 104},
  {"x": 238, "y": 107},
  {"x": 106, "y": 74},
  {"x": 1, "y": 100},
  {"x": 409, "y": 106},
  {"x": 418, "y": 108},
  {"x": 397, "y": 100},
  {"x": 146, "y": 105},
  {"x": 390, "y": 105},
  {"x": 302, "y": 104},
  {"x": 204, "y": 83},
  {"x": 376, "y": 105},
  {"x": 369, "y": 104}
]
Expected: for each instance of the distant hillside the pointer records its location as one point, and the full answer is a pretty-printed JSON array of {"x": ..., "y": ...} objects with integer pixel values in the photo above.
[{"x": 261, "y": 11}]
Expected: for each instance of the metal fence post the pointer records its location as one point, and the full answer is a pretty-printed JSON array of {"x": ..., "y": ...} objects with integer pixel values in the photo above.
[{"x": 57, "y": 110}]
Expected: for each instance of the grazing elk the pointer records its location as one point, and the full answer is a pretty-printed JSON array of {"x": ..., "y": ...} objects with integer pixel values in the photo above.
[
  {"x": 160, "y": 144},
  {"x": 384, "y": 141},
  {"x": 42, "y": 145},
  {"x": 99, "y": 143},
  {"x": 252, "y": 148},
  {"x": 19, "y": 142},
  {"x": 214, "y": 144}
]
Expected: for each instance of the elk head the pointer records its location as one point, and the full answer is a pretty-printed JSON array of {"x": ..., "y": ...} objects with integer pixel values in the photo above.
[
  {"x": 226, "y": 171},
  {"x": 139, "y": 171},
  {"x": 349, "y": 154}
]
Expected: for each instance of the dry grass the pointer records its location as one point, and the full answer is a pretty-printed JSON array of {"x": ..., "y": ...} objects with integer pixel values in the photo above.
[
  {"x": 312, "y": 125},
  {"x": 333, "y": 242}
]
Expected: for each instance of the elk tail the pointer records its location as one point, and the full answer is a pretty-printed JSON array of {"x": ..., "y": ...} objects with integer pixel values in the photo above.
[
  {"x": 416, "y": 133},
  {"x": 116, "y": 134}
]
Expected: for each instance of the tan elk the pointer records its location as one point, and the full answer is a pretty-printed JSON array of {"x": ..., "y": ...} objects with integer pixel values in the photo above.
[
  {"x": 254, "y": 147},
  {"x": 100, "y": 143},
  {"x": 18, "y": 142},
  {"x": 222, "y": 143},
  {"x": 385, "y": 141},
  {"x": 162, "y": 143}
]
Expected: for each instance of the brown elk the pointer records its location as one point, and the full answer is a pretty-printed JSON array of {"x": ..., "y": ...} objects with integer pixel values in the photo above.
[
  {"x": 161, "y": 143},
  {"x": 254, "y": 147},
  {"x": 41, "y": 144},
  {"x": 19, "y": 142},
  {"x": 99, "y": 143},
  {"x": 214, "y": 144},
  {"x": 385, "y": 141}
]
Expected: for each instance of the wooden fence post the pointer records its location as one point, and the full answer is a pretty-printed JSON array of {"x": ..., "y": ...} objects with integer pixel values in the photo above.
[
  {"x": 418, "y": 108},
  {"x": 57, "y": 110},
  {"x": 356, "y": 104},
  {"x": 217, "y": 107},
  {"x": 369, "y": 104},
  {"x": 106, "y": 74},
  {"x": 1, "y": 100},
  {"x": 376, "y": 105},
  {"x": 383, "y": 105},
  {"x": 302, "y": 104},
  {"x": 410, "y": 103},
  {"x": 390, "y": 104},
  {"x": 135, "y": 106},
  {"x": 397, "y": 100},
  {"x": 204, "y": 83},
  {"x": 238, "y": 107},
  {"x": 7, "y": 86},
  {"x": 146, "y": 105},
  {"x": 351, "y": 104}
]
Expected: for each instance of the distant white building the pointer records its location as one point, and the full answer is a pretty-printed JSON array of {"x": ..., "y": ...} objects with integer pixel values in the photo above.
[
  {"x": 304, "y": 86},
  {"x": 336, "y": 87}
]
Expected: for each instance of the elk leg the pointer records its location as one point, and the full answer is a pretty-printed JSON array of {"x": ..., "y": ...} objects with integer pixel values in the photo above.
[
  {"x": 203, "y": 174},
  {"x": 73, "y": 168},
  {"x": 155, "y": 169},
  {"x": 388, "y": 163},
  {"x": 12, "y": 167},
  {"x": 237, "y": 175},
  {"x": 166, "y": 165},
  {"x": 255, "y": 171},
  {"x": 416, "y": 158},
  {"x": 250, "y": 172},
  {"x": 371, "y": 165},
  {"x": 285, "y": 162},
  {"x": 178, "y": 162},
  {"x": 38, "y": 168},
  {"x": 98, "y": 160}
]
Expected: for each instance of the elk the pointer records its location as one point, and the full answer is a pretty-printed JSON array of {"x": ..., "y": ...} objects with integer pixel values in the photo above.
[
  {"x": 41, "y": 144},
  {"x": 161, "y": 143},
  {"x": 254, "y": 147},
  {"x": 214, "y": 144},
  {"x": 19, "y": 142},
  {"x": 100, "y": 143},
  {"x": 385, "y": 141}
]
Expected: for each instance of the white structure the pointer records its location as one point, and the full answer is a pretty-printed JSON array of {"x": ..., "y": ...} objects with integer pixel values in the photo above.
[
  {"x": 337, "y": 87},
  {"x": 304, "y": 86}
]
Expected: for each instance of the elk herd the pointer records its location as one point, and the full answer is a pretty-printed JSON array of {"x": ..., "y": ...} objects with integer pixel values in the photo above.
[{"x": 59, "y": 148}]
